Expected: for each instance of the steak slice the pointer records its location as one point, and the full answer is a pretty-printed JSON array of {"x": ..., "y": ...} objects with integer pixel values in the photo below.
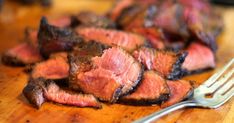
[
  {"x": 152, "y": 89},
  {"x": 56, "y": 67},
  {"x": 167, "y": 63},
  {"x": 22, "y": 54},
  {"x": 54, "y": 39},
  {"x": 108, "y": 76},
  {"x": 199, "y": 58},
  {"x": 40, "y": 90},
  {"x": 127, "y": 41},
  {"x": 179, "y": 90},
  {"x": 90, "y": 19}
]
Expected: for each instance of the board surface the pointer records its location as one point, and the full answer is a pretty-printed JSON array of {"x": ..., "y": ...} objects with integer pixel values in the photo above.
[{"x": 14, "y": 108}]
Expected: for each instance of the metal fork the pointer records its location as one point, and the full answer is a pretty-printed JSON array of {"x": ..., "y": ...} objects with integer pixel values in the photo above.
[{"x": 219, "y": 86}]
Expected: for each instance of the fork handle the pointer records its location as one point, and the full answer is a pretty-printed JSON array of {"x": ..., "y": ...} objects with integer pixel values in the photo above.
[{"x": 165, "y": 111}]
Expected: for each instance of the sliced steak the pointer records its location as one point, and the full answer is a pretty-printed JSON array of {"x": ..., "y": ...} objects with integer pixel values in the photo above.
[
  {"x": 108, "y": 76},
  {"x": 127, "y": 41},
  {"x": 55, "y": 94},
  {"x": 179, "y": 90},
  {"x": 199, "y": 58},
  {"x": 90, "y": 19},
  {"x": 167, "y": 63},
  {"x": 56, "y": 67},
  {"x": 40, "y": 90},
  {"x": 22, "y": 54},
  {"x": 54, "y": 39},
  {"x": 152, "y": 89}
]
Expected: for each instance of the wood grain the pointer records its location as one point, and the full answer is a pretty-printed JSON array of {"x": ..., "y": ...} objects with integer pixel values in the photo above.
[{"x": 15, "y": 108}]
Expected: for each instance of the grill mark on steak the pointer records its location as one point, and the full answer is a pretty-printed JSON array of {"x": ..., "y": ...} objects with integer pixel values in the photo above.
[
  {"x": 20, "y": 55},
  {"x": 40, "y": 90},
  {"x": 198, "y": 51},
  {"x": 56, "y": 67},
  {"x": 167, "y": 63},
  {"x": 108, "y": 76},
  {"x": 152, "y": 89},
  {"x": 128, "y": 41},
  {"x": 90, "y": 19},
  {"x": 54, "y": 39},
  {"x": 179, "y": 90}
]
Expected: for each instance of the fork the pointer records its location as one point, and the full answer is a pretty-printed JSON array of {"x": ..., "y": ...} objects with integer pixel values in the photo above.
[{"x": 213, "y": 93}]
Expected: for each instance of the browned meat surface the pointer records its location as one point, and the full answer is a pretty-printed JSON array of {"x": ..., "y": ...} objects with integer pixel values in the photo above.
[
  {"x": 199, "y": 58},
  {"x": 22, "y": 54},
  {"x": 39, "y": 90},
  {"x": 179, "y": 90},
  {"x": 34, "y": 92},
  {"x": 108, "y": 76},
  {"x": 54, "y": 39},
  {"x": 56, "y": 67},
  {"x": 167, "y": 63},
  {"x": 152, "y": 89},
  {"x": 127, "y": 41},
  {"x": 90, "y": 19}
]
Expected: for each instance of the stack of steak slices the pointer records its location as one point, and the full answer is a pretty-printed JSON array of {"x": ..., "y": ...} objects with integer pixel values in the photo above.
[{"x": 135, "y": 55}]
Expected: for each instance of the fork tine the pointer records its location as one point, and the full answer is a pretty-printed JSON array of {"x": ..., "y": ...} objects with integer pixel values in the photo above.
[
  {"x": 225, "y": 98},
  {"x": 220, "y": 82},
  {"x": 225, "y": 88},
  {"x": 213, "y": 78}
]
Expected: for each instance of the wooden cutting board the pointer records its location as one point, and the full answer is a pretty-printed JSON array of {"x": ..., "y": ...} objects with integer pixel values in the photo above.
[{"x": 15, "y": 108}]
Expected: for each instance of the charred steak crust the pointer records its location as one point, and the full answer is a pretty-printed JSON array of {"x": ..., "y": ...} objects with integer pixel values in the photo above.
[
  {"x": 11, "y": 60},
  {"x": 145, "y": 102},
  {"x": 177, "y": 71},
  {"x": 33, "y": 91},
  {"x": 55, "y": 39}
]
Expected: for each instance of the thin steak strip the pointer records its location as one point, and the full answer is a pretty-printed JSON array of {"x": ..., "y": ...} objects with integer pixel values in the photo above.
[
  {"x": 21, "y": 54},
  {"x": 167, "y": 63},
  {"x": 39, "y": 90},
  {"x": 199, "y": 58},
  {"x": 179, "y": 90},
  {"x": 152, "y": 89},
  {"x": 128, "y": 41},
  {"x": 56, "y": 67}
]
